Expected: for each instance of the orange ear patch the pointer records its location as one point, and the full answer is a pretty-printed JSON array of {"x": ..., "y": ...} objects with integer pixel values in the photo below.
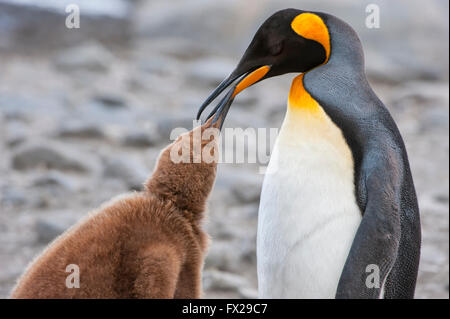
[{"x": 311, "y": 26}]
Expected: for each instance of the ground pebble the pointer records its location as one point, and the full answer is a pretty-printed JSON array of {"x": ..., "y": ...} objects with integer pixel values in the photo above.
[{"x": 49, "y": 156}]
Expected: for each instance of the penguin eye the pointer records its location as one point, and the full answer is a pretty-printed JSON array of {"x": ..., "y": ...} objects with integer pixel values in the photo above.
[{"x": 276, "y": 48}]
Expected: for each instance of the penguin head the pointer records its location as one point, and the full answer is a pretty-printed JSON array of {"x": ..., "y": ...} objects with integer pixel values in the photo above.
[{"x": 290, "y": 41}]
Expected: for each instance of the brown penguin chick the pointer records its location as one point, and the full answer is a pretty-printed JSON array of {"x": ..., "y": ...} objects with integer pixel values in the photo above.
[{"x": 143, "y": 245}]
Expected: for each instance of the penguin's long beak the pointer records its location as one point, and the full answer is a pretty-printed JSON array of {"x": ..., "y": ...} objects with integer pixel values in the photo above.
[{"x": 238, "y": 80}]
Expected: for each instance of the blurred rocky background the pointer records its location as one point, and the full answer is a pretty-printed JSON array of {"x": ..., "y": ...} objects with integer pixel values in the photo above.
[{"x": 84, "y": 113}]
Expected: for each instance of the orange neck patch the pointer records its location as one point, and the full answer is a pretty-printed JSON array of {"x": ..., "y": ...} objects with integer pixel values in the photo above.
[
  {"x": 299, "y": 98},
  {"x": 311, "y": 26}
]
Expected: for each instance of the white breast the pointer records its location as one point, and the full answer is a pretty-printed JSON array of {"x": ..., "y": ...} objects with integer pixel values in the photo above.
[{"x": 308, "y": 214}]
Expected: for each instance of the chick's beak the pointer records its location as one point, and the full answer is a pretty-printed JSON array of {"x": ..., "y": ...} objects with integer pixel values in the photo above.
[{"x": 239, "y": 81}]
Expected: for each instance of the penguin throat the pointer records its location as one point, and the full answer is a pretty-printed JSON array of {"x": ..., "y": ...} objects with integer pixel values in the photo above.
[{"x": 300, "y": 99}]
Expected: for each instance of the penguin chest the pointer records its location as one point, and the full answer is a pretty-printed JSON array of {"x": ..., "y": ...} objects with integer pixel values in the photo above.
[{"x": 308, "y": 213}]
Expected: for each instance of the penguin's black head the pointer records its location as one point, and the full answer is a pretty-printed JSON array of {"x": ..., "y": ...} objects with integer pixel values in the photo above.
[{"x": 289, "y": 41}]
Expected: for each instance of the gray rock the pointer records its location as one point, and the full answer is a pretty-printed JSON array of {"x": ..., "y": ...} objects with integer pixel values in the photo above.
[
  {"x": 54, "y": 179},
  {"x": 16, "y": 133},
  {"x": 141, "y": 139},
  {"x": 44, "y": 201},
  {"x": 110, "y": 100},
  {"x": 442, "y": 198},
  {"x": 422, "y": 93},
  {"x": 128, "y": 170},
  {"x": 248, "y": 293},
  {"x": 81, "y": 130},
  {"x": 247, "y": 191},
  {"x": 47, "y": 230},
  {"x": 222, "y": 256},
  {"x": 12, "y": 197},
  {"x": 49, "y": 156},
  {"x": 245, "y": 186},
  {"x": 247, "y": 250},
  {"x": 89, "y": 57},
  {"x": 222, "y": 231},
  {"x": 224, "y": 281},
  {"x": 381, "y": 68}
]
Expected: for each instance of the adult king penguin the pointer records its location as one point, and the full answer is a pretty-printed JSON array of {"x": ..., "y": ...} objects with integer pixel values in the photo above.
[{"x": 338, "y": 214}]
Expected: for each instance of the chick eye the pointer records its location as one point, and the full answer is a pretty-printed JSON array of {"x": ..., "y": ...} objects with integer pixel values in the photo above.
[{"x": 276, "y": 48}]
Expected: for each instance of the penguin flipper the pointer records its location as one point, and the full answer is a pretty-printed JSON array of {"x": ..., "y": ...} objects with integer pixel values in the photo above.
[{"x": 375, "y": 247}]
